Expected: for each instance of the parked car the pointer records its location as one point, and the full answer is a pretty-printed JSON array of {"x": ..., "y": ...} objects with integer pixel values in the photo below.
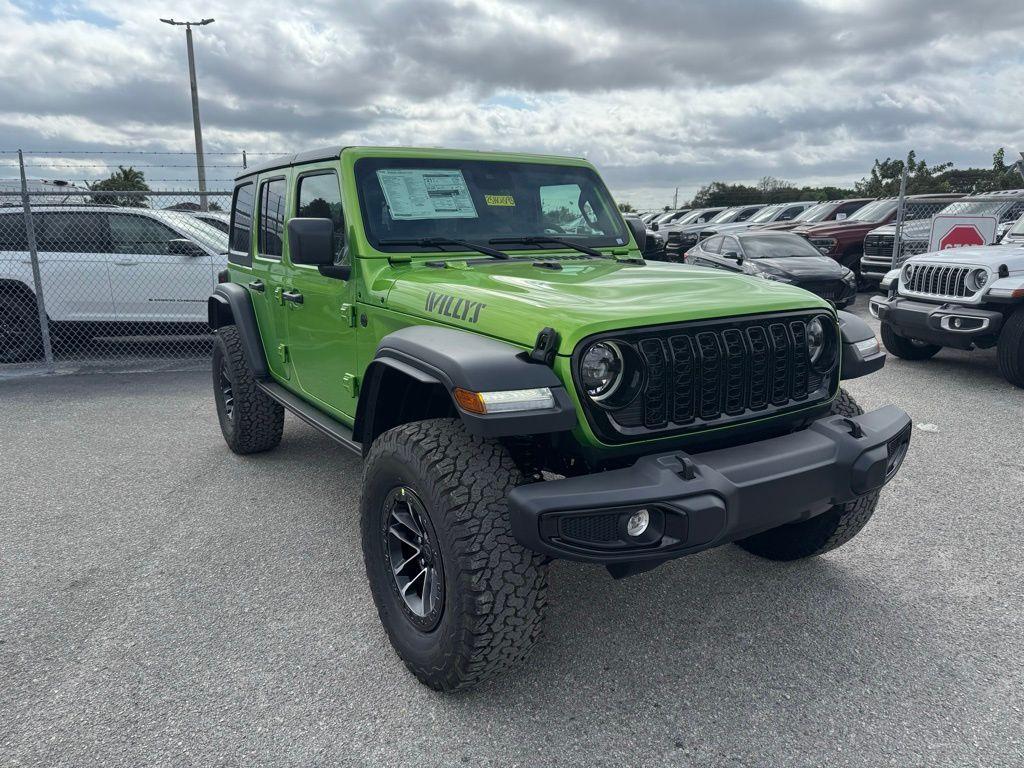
[
  {"x": 1006, "y": 205},
  {"x": 671, "y": 217},
  {"x": 963, "y": 298},
  {"x": 1015, "y": 234},
  {"x": 216, "y": 219},
  {"x": 767, "y": 215},
  {"x": 844, "y": 240},
  {"x": 654, "y": 242},
  {"x": 35, "y": 186},
  {"x": 519, "y": 396},
  {"x": 686, "y": 236},
  {"x": 104, "y": 269},
  {"x": 830, "y": 210},
  {"x": 649, "y": 218},
  {"x": 779, "y": 256},
  {"x": 677, "y": 234}
]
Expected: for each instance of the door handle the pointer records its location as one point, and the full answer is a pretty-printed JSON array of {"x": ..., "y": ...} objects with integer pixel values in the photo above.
[
  {"x": 258, "y": 286},
  {"x": 293, "y": 296}
]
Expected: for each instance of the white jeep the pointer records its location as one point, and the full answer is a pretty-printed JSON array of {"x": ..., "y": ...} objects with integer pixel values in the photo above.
[
  {"x": 962, "y": 298},
  {"x": 105, "y": 270}
]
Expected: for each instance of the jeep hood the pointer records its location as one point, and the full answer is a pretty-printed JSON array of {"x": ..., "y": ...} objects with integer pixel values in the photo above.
[
  {"x": 991, "y": 256},
  {"x": 514, "y": 300}
]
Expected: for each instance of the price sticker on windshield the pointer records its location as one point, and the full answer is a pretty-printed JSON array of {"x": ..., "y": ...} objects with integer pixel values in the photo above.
[{"x": 426, "y": 193}]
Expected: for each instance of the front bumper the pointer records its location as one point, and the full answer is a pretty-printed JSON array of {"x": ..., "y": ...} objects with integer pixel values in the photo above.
[
  {"x": 946, "y": 325},
  {"x": 695, "y": 502}
]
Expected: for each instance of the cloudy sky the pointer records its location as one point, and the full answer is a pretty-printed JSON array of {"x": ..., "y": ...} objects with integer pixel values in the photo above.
[{"x": 657, "y": 94}]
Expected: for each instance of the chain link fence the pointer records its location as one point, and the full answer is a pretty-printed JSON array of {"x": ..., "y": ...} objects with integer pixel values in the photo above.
[{"x": 111, "y": 279}]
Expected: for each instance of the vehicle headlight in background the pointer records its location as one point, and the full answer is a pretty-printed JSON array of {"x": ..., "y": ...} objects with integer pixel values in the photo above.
[
  {"x": 849, "y": 276},
  {"x": 976, "y": 280},
  {"x": 824, "y": 244},
  {"x": 908, "y": 273},
  {"x": 762, "y": 272}
]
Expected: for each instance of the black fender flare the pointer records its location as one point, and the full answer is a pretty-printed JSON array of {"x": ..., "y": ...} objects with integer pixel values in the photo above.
[
  {"x": 447, "y": 358},
  {"x": 231, "y": 304},
  {"x": 856, "y": 362}
]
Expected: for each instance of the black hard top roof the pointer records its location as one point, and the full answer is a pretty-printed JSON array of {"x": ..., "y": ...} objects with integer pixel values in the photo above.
[{"x": 284, "y": 161}]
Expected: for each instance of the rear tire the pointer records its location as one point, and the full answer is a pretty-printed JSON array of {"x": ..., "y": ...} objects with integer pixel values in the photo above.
[
  {"x": 21, "y": 338},
  {"x": 250, "y": 420},
  {"x": 824, "y": 532},
  {"x": 1010, "y": 352},
  {"x": 484, "y": 610},
  {"x": 905, "y": 348}
]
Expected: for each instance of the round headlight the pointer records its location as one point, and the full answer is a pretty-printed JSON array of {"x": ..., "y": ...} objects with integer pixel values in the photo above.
[
  {"x": 601, "y": 370},
  {"x": 976, "y": 280},
  {"x": 815, "y": 339},
  {"x": 908, "y": 273}
]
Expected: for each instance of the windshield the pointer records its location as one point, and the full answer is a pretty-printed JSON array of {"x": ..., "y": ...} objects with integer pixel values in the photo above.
[
  {"x": 1018, "y": 228},
  {"x": 480, "y": 200},
  {"x": 872, "y": 212},
  {"x": 974, "y": 208},
  {"x": 197, "y": 230},
  {"x": 817, "y": 212},
  {"x": 776, "y": 246},
  {"x": 726, "y": 216},
  {"x": 765, "y": 214}
]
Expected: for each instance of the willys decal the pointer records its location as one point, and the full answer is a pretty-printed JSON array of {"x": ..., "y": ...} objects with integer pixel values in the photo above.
[{"x": 454, "y": 307}]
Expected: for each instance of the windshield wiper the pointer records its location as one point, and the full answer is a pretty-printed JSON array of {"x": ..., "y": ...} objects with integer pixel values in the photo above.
[
  {"x": 541, "y": 239},
  {"x": 440, "y": 242}
]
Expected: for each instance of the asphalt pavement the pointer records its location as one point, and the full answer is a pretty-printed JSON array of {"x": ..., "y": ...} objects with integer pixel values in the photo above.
[{"x": 165, "y": 602}]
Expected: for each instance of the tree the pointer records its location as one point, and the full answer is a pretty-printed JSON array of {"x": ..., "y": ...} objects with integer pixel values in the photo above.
[
  {"x": 122, "y": 180},
  {"x": 884, "y": 180},
  {"x": 626, "y": 208},
  {"x": 1001, "y": 176}
]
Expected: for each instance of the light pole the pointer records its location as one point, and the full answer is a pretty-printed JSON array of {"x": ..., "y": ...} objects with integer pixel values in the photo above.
[{"x": 200, "y": 164}]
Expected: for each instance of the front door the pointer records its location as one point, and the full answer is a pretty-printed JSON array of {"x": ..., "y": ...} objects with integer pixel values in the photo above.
[
  {"x": 320, "y": 310},
  {"x": 74, "y": 262}
]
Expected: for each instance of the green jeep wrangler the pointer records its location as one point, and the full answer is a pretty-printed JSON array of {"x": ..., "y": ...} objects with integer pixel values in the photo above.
[{"x": 522, "y": 386}]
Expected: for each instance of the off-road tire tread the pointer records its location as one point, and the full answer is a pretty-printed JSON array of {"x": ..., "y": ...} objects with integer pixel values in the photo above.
[
  {"x": 903, "y": 348},
  {"x": 258, "y": 419},
  {"x": 23, "y": 303},
  {"x": 503, "y": 585},
  {"x": 824, "y": 532},
  {"x": 1010, "y": 352}
]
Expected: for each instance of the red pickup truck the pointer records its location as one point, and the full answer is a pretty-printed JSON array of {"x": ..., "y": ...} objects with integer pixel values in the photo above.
[{"x": 844, "y": 240}]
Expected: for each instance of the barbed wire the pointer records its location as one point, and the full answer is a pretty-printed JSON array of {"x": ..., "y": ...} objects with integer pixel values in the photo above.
[
  {"x": 131, "y": 152},
  {"x": 133, "y": 165}
]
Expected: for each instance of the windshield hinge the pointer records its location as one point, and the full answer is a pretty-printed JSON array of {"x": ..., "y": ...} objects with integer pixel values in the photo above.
[{"x": 546, "y": 347}]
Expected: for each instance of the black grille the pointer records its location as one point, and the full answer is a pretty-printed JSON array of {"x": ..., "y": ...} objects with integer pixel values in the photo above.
[
  {"x": 833, "y": 290},
  {"x": 707, "y": 374},
  {"x": 596, "y": 529},
  {"x": 878, "y": 246}
]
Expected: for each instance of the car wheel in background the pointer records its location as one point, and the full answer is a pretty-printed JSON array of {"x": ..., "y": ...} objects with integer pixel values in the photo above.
[
  {"x": 1011, "y": 349},
  {"x": 21, "y": 338}
]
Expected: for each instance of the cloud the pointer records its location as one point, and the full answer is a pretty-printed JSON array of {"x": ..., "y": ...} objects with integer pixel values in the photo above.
[{"x": 658, "y": 94}]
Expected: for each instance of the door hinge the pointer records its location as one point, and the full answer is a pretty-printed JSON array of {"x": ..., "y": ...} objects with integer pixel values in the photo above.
[
  {"x": 349, "y": 311},
  {"x": 351, "y": 384},
  {"x": 282, "y": 351}
]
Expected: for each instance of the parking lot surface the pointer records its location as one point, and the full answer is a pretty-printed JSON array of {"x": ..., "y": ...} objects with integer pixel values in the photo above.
[{"x": 165, "y": 602}]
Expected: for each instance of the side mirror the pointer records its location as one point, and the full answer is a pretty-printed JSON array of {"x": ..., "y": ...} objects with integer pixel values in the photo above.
[
  {"x": 654, "y": 226},
  {"x": 639, "y": 232},
  {"x": 311, "y": 241},
  {"x": 740, "y": 259},
  {"x": 730, "y": 255},
  {"x": 184, "y": 247}
]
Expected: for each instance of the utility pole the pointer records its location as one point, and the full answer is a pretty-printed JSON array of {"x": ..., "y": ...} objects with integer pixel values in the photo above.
[
  {"x": 675, "y": 199},
  {"x": 200, "y": 163}
]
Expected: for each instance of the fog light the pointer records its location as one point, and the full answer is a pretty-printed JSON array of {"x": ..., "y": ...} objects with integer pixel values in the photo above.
[
  {"x": 957, "y": 322},
  {"x": 638, "y": 522}
]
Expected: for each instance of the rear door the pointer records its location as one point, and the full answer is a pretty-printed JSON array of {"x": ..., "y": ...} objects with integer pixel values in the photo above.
[
  {"x": 321, "y": 322},
  {"x": 151, "y": 284},
  {"x": 74, "y": 252}
]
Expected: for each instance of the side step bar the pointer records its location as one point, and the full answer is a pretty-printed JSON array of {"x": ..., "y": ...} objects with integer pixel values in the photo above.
[{"x": 333, "y": 428}]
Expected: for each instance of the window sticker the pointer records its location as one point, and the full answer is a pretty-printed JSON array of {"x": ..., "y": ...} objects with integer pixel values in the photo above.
[
  {"x": 422, "y": 193},
  {"x": 506, "y": 201}
]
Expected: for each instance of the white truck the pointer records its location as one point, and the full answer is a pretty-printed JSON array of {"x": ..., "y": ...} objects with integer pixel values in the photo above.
[
  {"x": 965, "y": 298},
  {"x": 105, "y": 270}
]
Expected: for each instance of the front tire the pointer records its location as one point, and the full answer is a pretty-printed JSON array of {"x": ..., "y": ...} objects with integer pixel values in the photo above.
[
  {"x": 908, "y": 349},
  {"x": 21, "y": 338},
  {"x": 434, "y": 511},
  {"x": 250, "y": 421},
  {"x": 1010, "y": 352},
  {"x": 823, "y": 532}
]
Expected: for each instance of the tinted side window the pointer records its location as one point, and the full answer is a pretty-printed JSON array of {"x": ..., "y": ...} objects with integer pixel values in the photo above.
[
  {"x": 139, "y": 234},
  {"x": 73, "y": 232},
  {"x": 730, "y": 244},
  {"x": 791, "y": 213},
  {"x": 271, "y": 224},
  {"x": 847, "y": 208},
  {"x": 319, "y": 197},
  {"x": 1013, "y": 213},
  {"x": 744, "y": 215},
  {"x": 241, "y": 218},
  {"x": 922, "y": 210},
  {"x": 12, "y": 233}
]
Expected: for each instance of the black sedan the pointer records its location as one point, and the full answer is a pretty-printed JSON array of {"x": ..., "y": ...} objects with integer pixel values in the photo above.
[{"x": 780, "y": 256}]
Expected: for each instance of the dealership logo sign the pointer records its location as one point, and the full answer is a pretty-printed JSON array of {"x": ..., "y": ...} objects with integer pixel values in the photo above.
[{"x": 962, "y": 231}]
